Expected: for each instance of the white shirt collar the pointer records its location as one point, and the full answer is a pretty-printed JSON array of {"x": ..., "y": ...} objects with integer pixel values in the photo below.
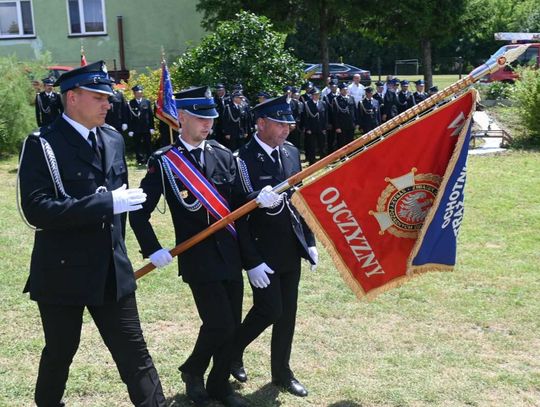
[
  {"x": 83, "y": 131},
  {"x": 267, "y": 149},
  {"x": 189, "y": 147}
]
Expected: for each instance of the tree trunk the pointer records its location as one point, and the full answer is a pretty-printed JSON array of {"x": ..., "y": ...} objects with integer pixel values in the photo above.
[
  {"x": 323, "y": 40},
  {"x": 426, "y": 61}
]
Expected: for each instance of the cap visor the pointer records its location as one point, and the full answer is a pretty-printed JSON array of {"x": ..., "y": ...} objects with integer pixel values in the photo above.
[
  {"x": 283, "y": 119},
  {"x": 98, "y": 88},
  {"x": 205, "y": 114}
]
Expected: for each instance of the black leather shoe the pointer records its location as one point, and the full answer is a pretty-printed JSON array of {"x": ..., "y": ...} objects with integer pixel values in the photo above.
[
  {"x": 238, "y": 372},
  {"x": 234, "y": 400},
  {"x": 293, "y": 386},
  {"x": 195, "y": 390}
]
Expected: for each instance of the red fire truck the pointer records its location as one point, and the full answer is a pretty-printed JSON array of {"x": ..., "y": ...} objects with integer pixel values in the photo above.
[{"x": 531, "y": 57}]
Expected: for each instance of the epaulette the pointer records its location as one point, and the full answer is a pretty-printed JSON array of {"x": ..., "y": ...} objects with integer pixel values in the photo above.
[
  {"x": 108, "y": 126},
  {"x": 161, "y": 151},
  {"x": 215, "y": 143},
  {"x": 35, "y": 134},
  {"x": 43, "y": 130}
]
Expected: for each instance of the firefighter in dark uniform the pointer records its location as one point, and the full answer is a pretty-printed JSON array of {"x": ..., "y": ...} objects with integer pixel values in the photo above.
[
  {"x": 419, "y": 95},
  {"x": 48, "y": 104},
  {"x": 434, "y": 89},
  {"x": 391, "y": 103},
  {"x": 378, "y": 95},
  {"x": 297, "y": 108},
  {"x": 370, "y": 113},
  {"x": 213, "y": 267},
  {"x": 331, "y": 131},
  {"x": 221, "y": 98},
  {"x": 276, "y": 240},
  {"x": 73, "y": 180},
  {"x": 344, "y": 111},
  {"x": 234, "y": 122},
  {"x": 141, "y": 124},
  {"x": 405, "y": 99},
  {"x": 315, "y": 122},
  {"x": 117, "y": 116}
]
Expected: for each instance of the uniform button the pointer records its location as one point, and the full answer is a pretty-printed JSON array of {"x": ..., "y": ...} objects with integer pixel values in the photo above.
[
  {"x": 62, "y": 261},
  {"x": 113, "y": 249},
  {"x": 112, "y": 227},
  {"x": 104, "y": 217},
  {"x": 79, "y": 174}
]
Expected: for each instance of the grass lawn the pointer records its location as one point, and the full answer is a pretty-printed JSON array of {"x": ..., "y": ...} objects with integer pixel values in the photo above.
[
  {"x": 442, "y": 81},
  {"x": 467, "y": 338}
]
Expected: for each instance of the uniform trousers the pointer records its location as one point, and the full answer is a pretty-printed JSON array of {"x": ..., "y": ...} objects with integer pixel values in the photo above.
[
  {"x": 314, "y": 144},
  {"x": 219, "y": 304},
  {"x": 274, "y": 305},
  {"x": 345, "y": 137},
  {"x": 119, "y": 326},
  {"x": 143, "y": 145}
]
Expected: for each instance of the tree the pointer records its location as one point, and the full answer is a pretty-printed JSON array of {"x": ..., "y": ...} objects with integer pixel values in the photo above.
[
  {"x": 246, "y": 50},
  {"x": 328, "y": 15},
  {"x": 414, "y": 23}
]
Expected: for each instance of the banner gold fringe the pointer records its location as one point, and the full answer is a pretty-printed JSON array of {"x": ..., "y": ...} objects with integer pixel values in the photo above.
[{"x": 347, "y": 275}]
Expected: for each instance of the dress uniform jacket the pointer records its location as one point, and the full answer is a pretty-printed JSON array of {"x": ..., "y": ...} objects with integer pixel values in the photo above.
[
  {"x": 315, "y": 117},
  {"x": 370, "y": 114},
  {"x": 48, "y": 108},
  {"x": 391, "y": 105},
  {"x": 117, "y": 114},
  {"x": 405, "y": 100},
  {"x": 216, "y": 258},
  {"x": 141, "y": 117},
  {"x": 79, "y": 241},
  {"x": 419, "y": 97},
  {"x": 235, "y": 123},
  {"x": 274, "y": 237},
  {"x": 344, "y": 110}
]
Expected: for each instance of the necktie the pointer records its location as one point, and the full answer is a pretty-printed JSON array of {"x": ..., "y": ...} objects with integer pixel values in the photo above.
[
  {"x": 196, "y": 153},
  {"x": 95, "y": 147},
  {"x": 277, "y": 162}
]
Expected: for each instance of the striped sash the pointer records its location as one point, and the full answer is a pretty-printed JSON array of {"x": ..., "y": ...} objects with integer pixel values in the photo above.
[{"x": 199, "y": 186}]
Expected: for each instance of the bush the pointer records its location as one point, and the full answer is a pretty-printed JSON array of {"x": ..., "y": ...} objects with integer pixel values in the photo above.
[
  {"x": 526, "y": 98},
  {"x": 17, "y": 116},
  {"x": 498, "y": 90},
  {"x": 247, "y": 51}
]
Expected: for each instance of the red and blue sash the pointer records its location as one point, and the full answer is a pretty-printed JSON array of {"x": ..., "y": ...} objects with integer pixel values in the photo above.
[{"x": 199, "y": 186}]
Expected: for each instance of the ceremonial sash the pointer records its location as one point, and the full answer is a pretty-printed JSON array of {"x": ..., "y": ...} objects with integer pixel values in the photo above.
[{"x": 199, "y": 186}]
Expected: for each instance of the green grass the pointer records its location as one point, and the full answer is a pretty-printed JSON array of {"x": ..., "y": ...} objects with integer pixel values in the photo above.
[
  {"x": 467, "y": 338},
  {"x": 442, "y": 81}
]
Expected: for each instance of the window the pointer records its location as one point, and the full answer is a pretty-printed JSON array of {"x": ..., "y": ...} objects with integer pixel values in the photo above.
[
  {"x": 16, "y": 19},
  {"x": 86, "y": 17}
]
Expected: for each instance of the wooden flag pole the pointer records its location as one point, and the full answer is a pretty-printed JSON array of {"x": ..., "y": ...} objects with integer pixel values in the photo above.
[{"x": 497, "y": 61}]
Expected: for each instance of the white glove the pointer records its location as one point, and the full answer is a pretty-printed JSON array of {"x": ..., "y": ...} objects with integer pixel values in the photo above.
[
  {"x": 152, "y": 131},
  {"x": 130, "y": 134},
  {"x": 268, "y": 198},
  {"x": 161, "y": 258},
  {"x": 258, "y": 275},
  {"x": 127, "y": 200},
  {"x": 124, "y": 126},
  {"x": 314, "y": 254}
]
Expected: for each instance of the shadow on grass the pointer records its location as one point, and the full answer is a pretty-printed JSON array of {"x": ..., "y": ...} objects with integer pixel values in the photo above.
[
  {"x": 265, "y": 396},
  {"x": 345, "y": 403}
]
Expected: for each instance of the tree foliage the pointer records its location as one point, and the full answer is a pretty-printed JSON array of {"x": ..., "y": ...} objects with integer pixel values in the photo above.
[
  {"x": 526, "y": 96},
  {"x": 246, "y": 50},
  {"x": 17, "y": 116}
]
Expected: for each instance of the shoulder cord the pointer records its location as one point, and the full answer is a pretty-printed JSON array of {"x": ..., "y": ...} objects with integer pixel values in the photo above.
[
  {"x": 346, "y": 110},
  {"x": 244, "y": 175},
  {"x": 193, "y": 207},
  {"x": 231, "y": 115},
  {"x": 52, "y": 166},
  {"x": 46, "y": 110},
  {"x": 138, "y": 114},
  {"x": 309, "y": 112},
  {"x": 163, "y": 189}
]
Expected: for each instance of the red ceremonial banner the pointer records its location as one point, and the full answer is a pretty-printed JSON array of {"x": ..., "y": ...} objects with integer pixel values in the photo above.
[{"x": 369, "y": 211}]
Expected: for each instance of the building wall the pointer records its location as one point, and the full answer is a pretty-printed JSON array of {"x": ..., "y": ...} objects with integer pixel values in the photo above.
[{"x": 148, "y": 26}]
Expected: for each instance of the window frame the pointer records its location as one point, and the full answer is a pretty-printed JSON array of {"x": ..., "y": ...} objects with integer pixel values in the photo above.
[
  {"x": 82, "y": 21},
  {"x": 20, "y": 21}
]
